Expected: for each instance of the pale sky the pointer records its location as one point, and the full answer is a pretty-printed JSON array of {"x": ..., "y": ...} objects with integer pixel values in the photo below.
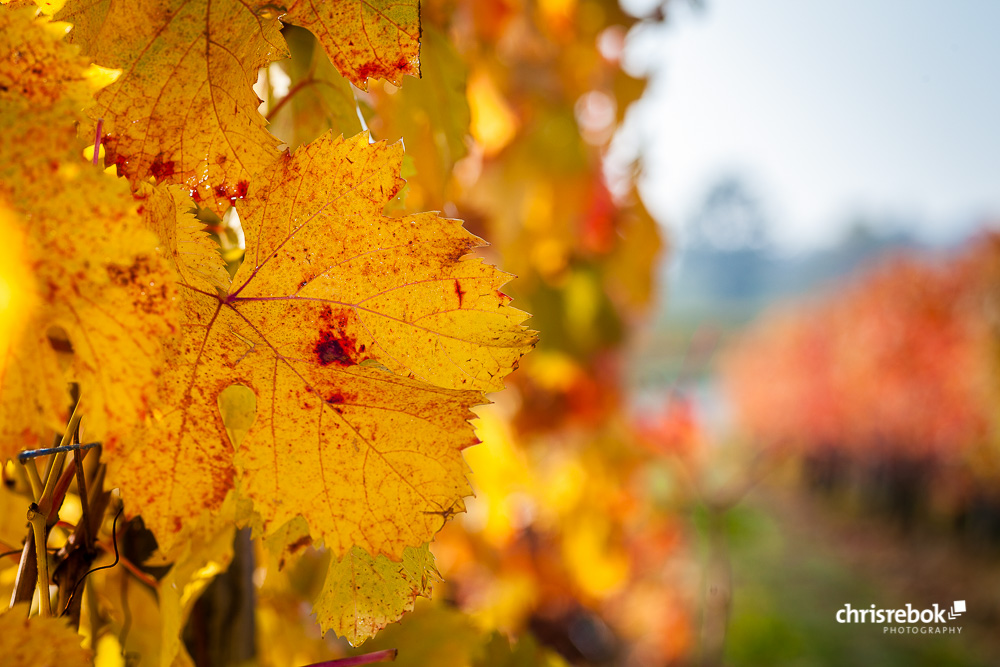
[{"x": 829, "y": 108}]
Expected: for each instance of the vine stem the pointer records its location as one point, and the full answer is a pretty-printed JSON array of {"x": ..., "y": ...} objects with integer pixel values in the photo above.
[
  {"x": 81, "y": 488},
  {"x": 291, "y": 92},
  {"x": 388, "y": 655},
  {"x": 37, "y": 520},
  {"x": 33, "y": 478},
  {"x": 45, "y": 502}
]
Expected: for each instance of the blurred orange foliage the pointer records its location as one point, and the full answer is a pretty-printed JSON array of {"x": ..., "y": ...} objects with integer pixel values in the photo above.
[
  {"x": 566, "y": 537},
  {"x": 902, "y": 363}
]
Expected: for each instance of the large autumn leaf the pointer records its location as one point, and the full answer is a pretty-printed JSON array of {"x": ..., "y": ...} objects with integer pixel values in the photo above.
[
  {"x": 366, "y": 339},
  {"x": 183, "y": 109},
  {"x": 98, "y": 282},
  {"x": 365, "y": 39}
]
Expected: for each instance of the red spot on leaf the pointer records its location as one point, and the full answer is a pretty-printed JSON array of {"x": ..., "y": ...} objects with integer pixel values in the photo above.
[
  {"x": 372, "y": 70},
  {"x": 376, "y": 69},
  {"x": 335, "y": 399},
  {"x": 220, "y": 191},
  {"x": 331, "y": 350},
  {"x": 460, "y": 292},
  {"x": 335, "y": 344},
  {"x": 241, "y": 189},
  {"x": 161, "y": 169},
  {"x": 404, "y": 66}
]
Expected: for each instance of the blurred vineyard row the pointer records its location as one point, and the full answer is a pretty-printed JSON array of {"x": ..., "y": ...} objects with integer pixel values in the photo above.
[{"x": 888, "y": 389}]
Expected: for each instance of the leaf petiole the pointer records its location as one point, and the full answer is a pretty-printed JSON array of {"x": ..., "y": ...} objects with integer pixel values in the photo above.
[
  {"x": 81, "y": 487},
  {"x": 55, "y": 470},
  {"x": 97, "y": 140},
  {"x": 33, "y": 478}
]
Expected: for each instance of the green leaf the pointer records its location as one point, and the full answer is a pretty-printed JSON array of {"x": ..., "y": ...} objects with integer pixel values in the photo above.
[
  {"x": 321, "y": 99},
  {"x": 433, "y": 634},
  {"x": 499, "y": 652},
  {"x": 430, "y": 115}
]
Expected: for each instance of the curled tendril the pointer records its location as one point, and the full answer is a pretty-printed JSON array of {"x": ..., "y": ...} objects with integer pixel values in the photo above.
[{"x": 114, "y": 542}]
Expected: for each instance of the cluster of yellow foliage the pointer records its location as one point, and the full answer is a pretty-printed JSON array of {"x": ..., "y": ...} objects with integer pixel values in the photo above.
[
  {"x": 319, "y": 391},
  {"x": 365, "y": 339}
]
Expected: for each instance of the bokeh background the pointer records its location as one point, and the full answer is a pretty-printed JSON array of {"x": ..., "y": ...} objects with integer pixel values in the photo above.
[{"x": 758, "y": 242}]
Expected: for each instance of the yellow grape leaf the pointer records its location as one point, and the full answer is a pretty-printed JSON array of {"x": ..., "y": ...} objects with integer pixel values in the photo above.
[
  {"x": 168, "y": 212},
  {"x": 39, "y": 640},
  {"x": 183, "y": 109},
  {"x": 365, "y": 39},
  {"x": 38, "y": 70},
  {"x": 97, "y": 274},
  {"x": 366, "y": 339},
  {"x": 29, "y": 402},
  {"x": 404, "y": 288},
  {"x": 363, "y": 594},
  {"x": 285, "y": 543},
  {"x": 286, "y": 632}
]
